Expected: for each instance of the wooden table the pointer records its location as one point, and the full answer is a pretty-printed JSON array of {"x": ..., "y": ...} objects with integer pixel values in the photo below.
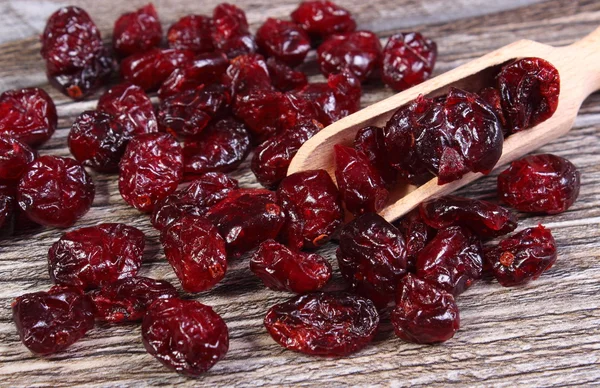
[{"x": 544, "y": 334}]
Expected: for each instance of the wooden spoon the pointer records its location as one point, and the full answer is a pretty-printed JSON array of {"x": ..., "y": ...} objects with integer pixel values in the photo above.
[{"x": 579, "y": 68}]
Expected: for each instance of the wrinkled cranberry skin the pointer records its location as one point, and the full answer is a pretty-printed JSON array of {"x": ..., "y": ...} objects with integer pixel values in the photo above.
[
  {"x": 359, "y": 52},
  {"x": 151, "y": 68},
  {"x": 28, "y": 115},
  {"x": 191, "y": 32},
  {"x": 371, "y": 142},
  {"x": 229, "y": 21},
  {"x": 408, "y": 60},
  {"x": 522, "y": 257},
  {"x": 90, "y": 257},
  {"x": 323, "y": 324},
  {"x": 151, "y": 169},
  {"x": 196, "y": 252},
  {"x": 452, "y": 261},
  {"x": 543, "y": 183},
  {"x": 136, "y": 32},
  {"x": 7, "y": 215},
  {"x": 416, "y": 234},
  {"x": 283, "y": 40},
  {"x": 131, "y": 107},
  {"x": 283, "y": 77},
  {"x": 55, "y": 191},
  {"x": 529, "y": 88},
  {"x": 372, "y": 257},
  {"x": 424, "y": 314},
  {"x": 239, "y": 45},
  {"x": 247, "y": 73},
  {"x": 185, "y": 335},
  {"x": 491, "y": 95},
  {"x": 49, "y": 322},
  {"x": 322, "y": 18},
  {"x": 14, "y": 158},
  {"x": 282, "y": 269},
  {"x": 127, "y": 300}
]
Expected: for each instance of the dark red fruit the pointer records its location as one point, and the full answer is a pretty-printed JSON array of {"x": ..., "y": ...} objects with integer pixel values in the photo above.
[
  {"x": 55, "y": 191},
  {"x": 408, "y": 60},
  {"x": 283, "y": 77},
  {"x": 239, "y": 45},
  {"x": 131, "y": 107},
  {"x": 529, "y": 88},
  {"x": 523, "y": 256},
  {"x": 416, "y": 234},
  {"x": 424, "y": 314},
  {"x": 28, "y": 115},
  {"x": 359, "y": 52},
  {"x": 97, "y": 255},
  {"x": 151, "y": 169},
  {"x": 247, "y": 73},
  {"x": 371, "y": 142},
  {"x": 49, "y": 322},
  {"x": 491, "y": 95},
  {"x": 229, "y": 22},
  {"x": 282, "y": 269},
  {"x": 322, "y": 18},
  {"x": 137, "y": 32},
  {"x": 191, "y": 32},
  {"x": 15, "y": 156},
  {"x": 313, "y": 209},
  {"x": 323, "y": 324},
  {"x": 542, "y": 183},
  {"x": 151, "y": 68},
  {"x": 283, "y": 40},
  {"x": 185, "y": 335},
  {"x": 7, "y": 215}
]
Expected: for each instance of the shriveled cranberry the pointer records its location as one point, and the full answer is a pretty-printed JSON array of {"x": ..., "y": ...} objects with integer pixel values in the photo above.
[
  {"x": 136, "y": 32},
  {"x": 229, "y": 22},
  {"x": 283, "y": 40},
  {"x": 7, "y": 215},
  {"x": 322, "y": 18},
  {"x": 283, "y": 77},
  {"x": 247, "y": 217},
  {"x": 185, "y": 335},
  {"x": 359, "y": 52},
  {"x": 28, "y": 115},
  {"x": 323, "y": 324},
  {"x": 247, "y": 73},
  {"x": 97, "y": 255},
  {"x": 313, "y": 209},
  {"x": 127, "y": 300},
  {"x": 151, "y": 169},
  {"x": 191, "y": 32},
  {"x": 15, "y": 155},
  {"x": 55, "y": 191},
  {"x": 408, "y": 60},
  {"x": 151, "y": 68},
  {"x": 49, "y": 322},
  {"x": 529, "y": 88},
  {"x": 196, "y": 252},
  {"x": 131, "y": 107},
  {"x": 543, "y": 183},
  {"x": 370, "y": 141},
  {"x": 424, "y": 314},
  {"x": 452, "y": 261},
  {"x": 523, "y": 256},
  {"x": 416, "y": 234},
  {"x": 491, "y": 95},
  {"x": 239, "y": 45}
]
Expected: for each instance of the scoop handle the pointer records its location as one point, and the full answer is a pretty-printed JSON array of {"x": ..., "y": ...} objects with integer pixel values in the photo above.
[{"x": 587, "y": 52}]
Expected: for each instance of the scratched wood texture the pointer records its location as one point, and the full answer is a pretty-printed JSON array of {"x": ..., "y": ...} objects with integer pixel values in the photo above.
[{"x": 544, "y": 334}]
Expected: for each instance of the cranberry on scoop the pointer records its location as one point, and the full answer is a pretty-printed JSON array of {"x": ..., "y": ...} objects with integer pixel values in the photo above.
[
  {"x": 283, "y": 40},
  {"x": 408, "y": 60},
  {"x": 322, "y": 18},
  {"x": 191, "y": 32},
  {"x": 371, "y": 142},
  {"x": 15, "y": 156},
  {"x": 136, "y": 32}
]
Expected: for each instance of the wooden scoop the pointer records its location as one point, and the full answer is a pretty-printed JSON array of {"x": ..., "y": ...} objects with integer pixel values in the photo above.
[{"x": 579, "y": 68}]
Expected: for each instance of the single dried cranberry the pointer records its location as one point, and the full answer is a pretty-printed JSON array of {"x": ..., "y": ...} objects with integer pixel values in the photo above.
[
  {"x": 55, "y": 191},
  {"x": 322, "y": 18},
  {"x": 28, "y": 115},
  {"x": 185, "y": 335},
  {"x": 372, "y": 257},
  {"x": 222, "y": 146},
  {"x": 323, "y": 324},
  {"x": 136, "y": 32},
  {"x": 151, "y": 169},
  {"x": 408, "y": 60},
  {"x": 360, "y": 184},
  {"x": 14, "y": 158},
  {"x": 229, "y": 22},
  {"x": 313, "y": 209},
  {"x": 370, "y": 141},
  {"x": 424, "y": 314},
  {"x": 191, "y": 32},
  {"x": 247, "y": 73},
  {"x": 151, "y": 68},
  {"x": 523, "y": 256},
  {"x": 239, "y": 45},
  {"x": 97, "y": 255},
  {"x": 543, "y": 183},
  {"x": 283, "y": 40},
  {"x": 7, "y": 215},
  {"x": 196, "y": 252},
  {"x": 127, "y": 300},
  {"x": 49, "y": 322},
  {"x": 529, "y": 88},
  {"x": 247, "y": 217},
  {"x": 359, "y": 52},
  {"x": 416, "y": 234},
  {"x": 282, "y": 269},
  {"x": 452, "y": 261},
  {"x": 131, "y": 107},
  {"x": 196, "y": 199},
  {"x": 283, "y": 77},
  {"x": 491, "y": 95}
]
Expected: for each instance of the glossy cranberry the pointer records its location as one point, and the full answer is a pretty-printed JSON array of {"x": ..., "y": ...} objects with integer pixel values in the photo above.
[
  {"x": 55, "y": 191},
  {"x": 424, "y": 314},
  {"x": 7, "y": 215},
  {"x": 131, "y": 107},
  {"x": 543, "y": 183},
  {"x": 408, "y": 60},
  {"x": 229, "y": 22},
  {"x": 151, "y": 68},
  {"x": 283, "y": 77},
  {"x": 323, "y": 324},
  {"x": 247, "y": 73},
  {"x": 14, "y": 158},
  {"x": 239, "y": 45},
  {"x": 491, "y": 95},
  {"x": 136, "y": 32},
  {"x": 283, "y": 40},
  {"x": 359, "y": 52},
  {"x": 127, "y": 300},
  {"x": 191, "y": 32},
  {"x": 28, "y": 115},
  {"x": 151, "y": 169},
  {"x": 371, "y": 142},
  {"x": 49, "y": 322},
  {"x": 416, "y": 234},
  {"x": 529, "y": 88},
  {"x": 185, "y": 335},
  {"x": 322, "y": 18}
]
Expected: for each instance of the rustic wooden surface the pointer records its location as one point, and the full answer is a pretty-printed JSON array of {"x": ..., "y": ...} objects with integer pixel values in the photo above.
[{"x": 543, "y": 334}]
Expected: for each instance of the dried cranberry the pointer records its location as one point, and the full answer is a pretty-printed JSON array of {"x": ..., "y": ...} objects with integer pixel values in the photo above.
[
  {"x": 55, "y": 191},
  {"x": 529, "y": 88},
  {"x": 282, "y": 269},
  {"x": 131, "y": 107},
  {"x": 324, "y": 324},
  {"x": 283, "y": 77},
  {"x": 7, "y": 215},
  {"x": 97, "y": 255},
  {"x": 151, "y": 68},
  {"x": 185, "y": 335},
  {"x": 136, "y": 32},
  {"x": 239, "y": 45},
  {"x": 492, "y": 96},
  {"x": 14, "y": 158},
  {"x": 424, "y": 314},
  {"x": 543, "y": 183},
  {"x": 416, "y": 234},
  {"x": 127, "y": 300},
  {"x": 359, "y": 52},
  {"x": 229, "y": 21},
  {"x": 151, "y": 169},
  {"x": 191, "y": 32},
  {"x": 28, "y": 115},
  {"x": 247, "y": 73},
  {"x": 49, "y": 322},
  {"x": 322, "y": 18},
  {"x": 408, "y": 60},
  {"x": 283, "y": 40},
  {"x": 313, "y": 209},
  {"x": 370, "y": 141}
]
